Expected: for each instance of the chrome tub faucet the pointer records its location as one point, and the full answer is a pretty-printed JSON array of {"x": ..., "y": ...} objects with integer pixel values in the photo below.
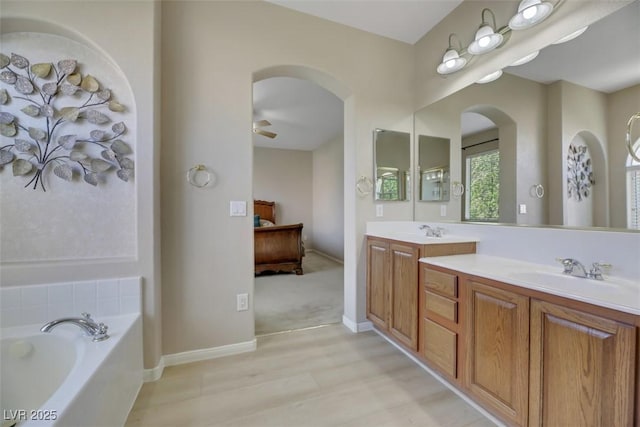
[
  {"x": 97, "y": 331},
  {"x": 573, "y": 267}
]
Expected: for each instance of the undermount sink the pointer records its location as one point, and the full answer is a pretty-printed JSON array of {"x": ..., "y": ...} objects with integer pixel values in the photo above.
[{"x": 547, "y": 278}]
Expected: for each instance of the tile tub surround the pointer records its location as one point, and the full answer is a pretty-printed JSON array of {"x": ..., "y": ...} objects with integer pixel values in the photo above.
[
  {"x": 540, "y": 245},
  {"x": 25, "y": 305}
]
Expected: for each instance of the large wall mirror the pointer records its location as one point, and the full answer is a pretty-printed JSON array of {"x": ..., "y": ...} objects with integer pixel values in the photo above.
[
  {"x": 392, "y": 157},
  {"x": 545, "y": 143}
]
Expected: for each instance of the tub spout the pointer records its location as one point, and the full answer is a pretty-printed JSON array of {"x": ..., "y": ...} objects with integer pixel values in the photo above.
[{"x": 97, "y": 331}]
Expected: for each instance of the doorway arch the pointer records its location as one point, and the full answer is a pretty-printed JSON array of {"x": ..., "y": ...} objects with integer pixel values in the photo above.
[
  {"x": 507, "y": 145},
  {"x": 344, "y": 93}
]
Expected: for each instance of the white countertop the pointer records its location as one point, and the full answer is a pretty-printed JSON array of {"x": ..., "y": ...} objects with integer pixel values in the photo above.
[
  {"x": 420, "y": 239},
  {"x": 612, "y": 292}
]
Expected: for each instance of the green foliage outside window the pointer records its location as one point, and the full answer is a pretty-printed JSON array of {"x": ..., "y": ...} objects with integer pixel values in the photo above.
[{"x": 484, "y": 186}]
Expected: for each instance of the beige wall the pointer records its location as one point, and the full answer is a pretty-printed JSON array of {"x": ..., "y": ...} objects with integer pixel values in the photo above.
[
  {"x": 212, "y": 51},
  {"x": 129, "y": 40},
  {"x": 328, "y": 198},
  {"x": 285, "y": 177}
]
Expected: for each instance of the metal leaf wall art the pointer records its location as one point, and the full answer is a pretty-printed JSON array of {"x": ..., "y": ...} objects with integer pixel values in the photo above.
[
  {"x": 62, "y": 101},
  {"x": 579, "y": 172}
]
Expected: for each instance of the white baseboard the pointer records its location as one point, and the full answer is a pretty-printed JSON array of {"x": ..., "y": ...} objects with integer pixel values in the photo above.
[
  {"x": 356, "y": 327},
  {"x": 442, "y": 380},
  {"x": 154, "y": 374}
]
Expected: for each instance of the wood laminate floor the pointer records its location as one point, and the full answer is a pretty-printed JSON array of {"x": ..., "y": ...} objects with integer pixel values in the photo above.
[{"x": 324, "y": 376}]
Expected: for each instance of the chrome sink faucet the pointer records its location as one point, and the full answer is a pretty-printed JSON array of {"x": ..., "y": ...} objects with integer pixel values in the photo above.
[
  {"x": 97, "y": 331},
  {"x": 573, "y": 267},
  {"x": 431, "y": 232}
]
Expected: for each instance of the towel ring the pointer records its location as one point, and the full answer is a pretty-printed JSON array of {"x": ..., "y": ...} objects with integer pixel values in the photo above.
[
  {"x": 364, "y": 185},
  {"x": 537, "y": 190},
  {"x": 629, "y": 137},
  {"x": 457, "y": 189},
  {"x": 199, "y": 170}
]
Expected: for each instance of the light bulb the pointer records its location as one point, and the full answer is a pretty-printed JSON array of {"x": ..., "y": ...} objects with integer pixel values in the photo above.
[
  {"x": 530, "y": 12},
  {"x": 484, "y": 41}
]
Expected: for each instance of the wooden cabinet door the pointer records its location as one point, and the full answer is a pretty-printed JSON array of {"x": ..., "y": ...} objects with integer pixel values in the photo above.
[
  {"x": 403, "y": 323},
  {"x": 582, "y": 368},
  {"x": 377, "y": 282},
  {"x": 497, "y": 350}
]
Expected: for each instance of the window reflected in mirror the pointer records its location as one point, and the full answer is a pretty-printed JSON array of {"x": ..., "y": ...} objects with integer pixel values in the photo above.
[{"x": 392, "y": 156}]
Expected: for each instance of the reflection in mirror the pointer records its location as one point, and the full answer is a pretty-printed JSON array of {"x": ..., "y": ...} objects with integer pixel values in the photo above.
[
  {"x": 570, "y": 104},
  {"x": 433, "y": 169},
  {"x": 392, "y": 157}
]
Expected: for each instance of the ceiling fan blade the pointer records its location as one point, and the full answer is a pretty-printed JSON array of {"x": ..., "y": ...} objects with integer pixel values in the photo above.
[
  {"x": 262, "y": 123},
  {"x": 265, "y": 133}
]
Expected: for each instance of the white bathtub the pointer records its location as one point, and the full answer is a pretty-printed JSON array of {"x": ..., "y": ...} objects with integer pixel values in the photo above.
[{"x": 64, "y": 379}]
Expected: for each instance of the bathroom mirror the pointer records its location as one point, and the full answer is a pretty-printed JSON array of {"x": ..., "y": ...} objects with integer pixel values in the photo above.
[
  {"x": 392, "y": 158},
  {"x": 433, "y": 169},
  {"x": 573, "y": 98}
]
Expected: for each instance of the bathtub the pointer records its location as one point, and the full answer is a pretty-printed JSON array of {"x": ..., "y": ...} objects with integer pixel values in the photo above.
[{"x": 62, "y": 378}]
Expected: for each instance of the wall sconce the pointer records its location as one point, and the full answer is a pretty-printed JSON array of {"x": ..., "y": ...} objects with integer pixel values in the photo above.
[
  {"x": 452, "y": 61},
  {"x": 530, "y": 13},
  {"x": 486, "y": 38}
]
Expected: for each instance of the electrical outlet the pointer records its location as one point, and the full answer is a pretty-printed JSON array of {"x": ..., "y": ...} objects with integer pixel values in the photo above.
[
  {"x": 522, "y": 209},
  {"x": 242, "y": 302}
]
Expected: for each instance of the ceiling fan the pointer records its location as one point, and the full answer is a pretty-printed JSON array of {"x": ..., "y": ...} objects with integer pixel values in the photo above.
[{"x": 260, "y": 124}]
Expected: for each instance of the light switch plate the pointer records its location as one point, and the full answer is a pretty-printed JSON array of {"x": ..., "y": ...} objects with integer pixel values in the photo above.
[
  {"x": 379, "y": 210},
  {"x": 522, "y": 209},
  {"x": 238, "y": 208},
  {"x": 443, "y": 210}
]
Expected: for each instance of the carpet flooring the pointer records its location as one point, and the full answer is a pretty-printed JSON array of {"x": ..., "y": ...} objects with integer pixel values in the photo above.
[{"x": 285, "y": 302}]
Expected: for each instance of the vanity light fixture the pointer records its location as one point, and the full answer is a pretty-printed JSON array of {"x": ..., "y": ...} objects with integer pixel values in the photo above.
[
  {"x": 490, "y": 77},
  {"x": 530, "y": 13},
  {"x": 525, "y": 59},
  {"x": 452, "y": 61},
  {"x": 486, "y": 38},
  {"x": 571, "y": 36}
]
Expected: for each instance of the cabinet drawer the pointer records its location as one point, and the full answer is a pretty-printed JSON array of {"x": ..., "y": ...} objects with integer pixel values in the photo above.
[
  {"x": 440, "y": 347},
  {"x": 441, "y": 306},
  {"x": 442, "y": 283}
]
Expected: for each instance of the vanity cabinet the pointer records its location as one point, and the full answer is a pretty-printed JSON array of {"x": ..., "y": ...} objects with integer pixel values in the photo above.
[
  {"x": 582, "y": 368},
  {"x": 393, "y": 286},
  {"x": 392, "y": 299},
  {"x": 497, "y": 349},
  {"x": 439, "y": 324},
  {"x": 528, "y": 357}
]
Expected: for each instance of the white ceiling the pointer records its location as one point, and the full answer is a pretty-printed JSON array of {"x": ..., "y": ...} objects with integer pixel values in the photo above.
[
  {"x": 403, "y": 20},
  {"x": 605, "y": 58},
  {"x": 303, "y": 114}
]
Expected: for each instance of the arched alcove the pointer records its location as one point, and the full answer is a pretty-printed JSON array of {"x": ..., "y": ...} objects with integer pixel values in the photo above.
[
  {"x": 591, "y": 208},
  {"x": 63, "y": 220}
]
